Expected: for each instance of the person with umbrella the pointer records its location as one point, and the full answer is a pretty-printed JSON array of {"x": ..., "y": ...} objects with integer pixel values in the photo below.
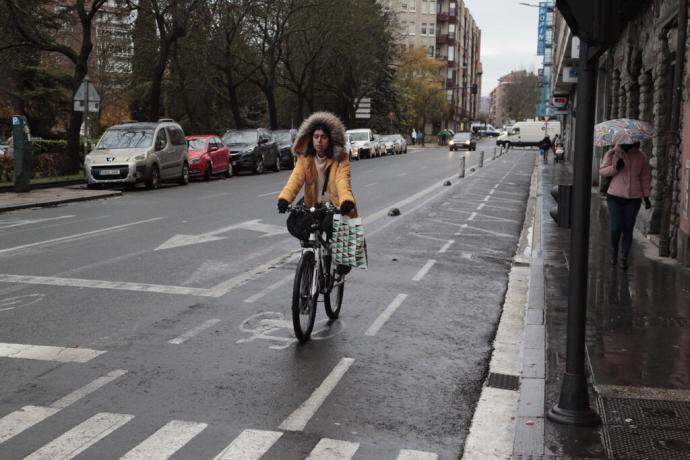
[{"x": 628, "y": 168}]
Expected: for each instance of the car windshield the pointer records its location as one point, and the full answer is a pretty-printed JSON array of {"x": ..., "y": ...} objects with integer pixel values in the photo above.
[
  {"x": 388, "y": 138},
  {"x": 197, "y": 144},
  {"x": 126, "y": 139},
  {"x": 359, "y": 136},
  {"x": 283, "y": 137},
  {"x": 240, "y": 137},
  {"x": 461, "y": 136}
]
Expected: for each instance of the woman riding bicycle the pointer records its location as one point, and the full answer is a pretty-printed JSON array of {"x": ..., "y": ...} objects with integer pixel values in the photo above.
[{"x": 323, "y": 167}]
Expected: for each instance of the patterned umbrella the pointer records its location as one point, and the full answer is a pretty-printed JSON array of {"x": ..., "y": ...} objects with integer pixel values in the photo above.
[{"x": 622, "y": 131}]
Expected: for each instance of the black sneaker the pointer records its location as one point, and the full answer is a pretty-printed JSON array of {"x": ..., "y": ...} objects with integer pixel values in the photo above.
[{"x": 343, "y": 269}]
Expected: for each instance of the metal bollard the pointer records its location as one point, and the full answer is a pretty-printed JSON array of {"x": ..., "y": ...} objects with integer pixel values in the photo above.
[
  {"x": 493, "y": 156},
  {"x": 481, "y": 159},
  {"x": 462, "y": 167}
]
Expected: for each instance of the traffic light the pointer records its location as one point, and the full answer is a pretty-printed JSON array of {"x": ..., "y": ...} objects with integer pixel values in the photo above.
[{"x": 562, "y": 212}]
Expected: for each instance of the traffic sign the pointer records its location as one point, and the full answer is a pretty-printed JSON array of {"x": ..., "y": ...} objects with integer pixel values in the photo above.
[{"x": 86, "y": 95}]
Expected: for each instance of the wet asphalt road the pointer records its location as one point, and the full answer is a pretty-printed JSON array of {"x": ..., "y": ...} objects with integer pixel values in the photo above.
[{"x": 163, "y": 319}]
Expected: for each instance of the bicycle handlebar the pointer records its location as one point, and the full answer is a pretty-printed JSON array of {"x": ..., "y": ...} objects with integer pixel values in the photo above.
[{"x": 313, "y": 210}]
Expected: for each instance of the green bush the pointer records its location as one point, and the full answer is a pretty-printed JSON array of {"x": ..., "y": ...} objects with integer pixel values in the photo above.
[
  {"x": 47, "y": 164},
  {"x": 6, "y": 168},
  {"x": 39, "y": 147}
]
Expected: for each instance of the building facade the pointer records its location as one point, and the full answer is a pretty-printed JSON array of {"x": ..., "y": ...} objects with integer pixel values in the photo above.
[
  {"x": 447, "y": 30},
  {"x": 636, "y": 79},
  {"x": 498, "y": 115}
]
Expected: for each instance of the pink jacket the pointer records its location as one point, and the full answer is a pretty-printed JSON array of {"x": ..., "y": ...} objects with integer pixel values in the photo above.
[{"x": 633, "y": 180}]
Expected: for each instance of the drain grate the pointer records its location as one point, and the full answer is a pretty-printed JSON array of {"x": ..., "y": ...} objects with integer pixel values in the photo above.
[
  {"x": 503, "y": 381},
  {"x": 647, "y": 413},
  {"x": 649, "y": 444}
]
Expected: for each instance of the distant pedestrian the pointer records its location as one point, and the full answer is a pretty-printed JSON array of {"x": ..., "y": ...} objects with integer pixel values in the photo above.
[
  {"x": 420, "y": 137},
  {"x": 544, "y": 147},
  {"x": 413, "y": 136},
  {"x": 630, "y": 175}
]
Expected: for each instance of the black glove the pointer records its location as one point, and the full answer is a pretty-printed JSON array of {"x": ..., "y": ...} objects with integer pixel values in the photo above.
[
  {"x": 647, "y": 203},
  {"x": 282, "y": 206},
  {"x": 346, "y": 207},
  {"x": 620, "y": 164}
]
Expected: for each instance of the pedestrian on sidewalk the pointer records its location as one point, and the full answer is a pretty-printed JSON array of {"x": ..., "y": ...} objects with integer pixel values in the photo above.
[
  {"x": 544, "y": 147},
  {"x": 413, "y": 136},
  {"x": 630, "y": 175}
]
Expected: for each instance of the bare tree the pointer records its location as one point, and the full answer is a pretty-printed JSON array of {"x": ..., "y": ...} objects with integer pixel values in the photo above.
[{"x": 521, "y": 96}]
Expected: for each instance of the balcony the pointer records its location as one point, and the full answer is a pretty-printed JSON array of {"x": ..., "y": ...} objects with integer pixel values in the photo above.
[
  {"x": 445, "y": 39},
  {"x": 447, "y": 16}
]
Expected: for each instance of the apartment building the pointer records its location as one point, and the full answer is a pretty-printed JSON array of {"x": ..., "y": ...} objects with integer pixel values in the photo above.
[
  {"x": 498, "y": 115},
  {"x": 447, "y": 30}
]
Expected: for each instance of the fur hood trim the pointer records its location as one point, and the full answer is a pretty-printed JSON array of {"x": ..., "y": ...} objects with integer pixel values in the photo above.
[{"x": 329, "y": 119}]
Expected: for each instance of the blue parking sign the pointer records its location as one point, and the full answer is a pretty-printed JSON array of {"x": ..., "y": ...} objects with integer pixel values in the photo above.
[{"x": 16, "y": 121}]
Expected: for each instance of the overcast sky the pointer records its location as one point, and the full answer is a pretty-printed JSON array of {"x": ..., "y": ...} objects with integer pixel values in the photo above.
[{"x": 509, "y": 38}]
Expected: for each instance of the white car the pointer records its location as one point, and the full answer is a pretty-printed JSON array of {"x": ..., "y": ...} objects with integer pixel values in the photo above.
[{"x": 362, "y": 143}]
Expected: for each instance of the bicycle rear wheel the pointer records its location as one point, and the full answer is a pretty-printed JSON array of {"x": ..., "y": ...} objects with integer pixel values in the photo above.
[
  {"x": 333, "y": 299},
  {"x": 305, "y": 293}
]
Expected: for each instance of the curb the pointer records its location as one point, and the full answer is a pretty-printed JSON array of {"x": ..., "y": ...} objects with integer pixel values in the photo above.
[
  {"x": 53, "y": 202},
  {"x": 10, "y": 188}
]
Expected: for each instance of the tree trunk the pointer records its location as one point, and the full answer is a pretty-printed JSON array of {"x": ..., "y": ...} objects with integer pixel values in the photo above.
[
  {"x": 157, "y": 80},
  {"x": 271, "y": 101},
  {"x": 234, "y": 100}
]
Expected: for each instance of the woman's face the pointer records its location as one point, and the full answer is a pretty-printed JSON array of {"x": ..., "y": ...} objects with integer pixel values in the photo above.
[{"x": 320, "y": 141}]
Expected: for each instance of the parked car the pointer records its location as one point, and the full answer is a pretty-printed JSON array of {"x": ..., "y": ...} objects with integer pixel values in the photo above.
[
  {"x": 361, "y": 141},
  {"x": 136, "y": 152},
  {"x": 401, "y": 142},
  {"x": 380, "y": 145},
  {"x": 462, "y": 141},
  {"x": 208, "y": 156},
  {"x": 392, "y": 147},
  {"x": 284, "y": 138},
  {"x": 252, "y": 150}
]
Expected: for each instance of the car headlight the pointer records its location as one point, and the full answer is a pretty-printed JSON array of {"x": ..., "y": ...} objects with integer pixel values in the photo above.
[
  {"x": 467, "y": 142},
  {"x": 196, "y": 160},
  {"x": 452, "y": 142},
  {"x": 137, "y": 157},
  {"x": 88, "y": 160}
]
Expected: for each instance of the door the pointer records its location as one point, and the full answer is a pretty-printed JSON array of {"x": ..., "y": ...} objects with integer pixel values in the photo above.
[{"x": 162, "y": 152}]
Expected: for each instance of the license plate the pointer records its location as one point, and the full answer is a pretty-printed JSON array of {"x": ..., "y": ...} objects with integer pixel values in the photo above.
[{"x": 109, "y": 172}]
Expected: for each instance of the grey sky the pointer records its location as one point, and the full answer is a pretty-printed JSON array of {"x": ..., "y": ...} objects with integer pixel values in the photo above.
[{"x": 509, "y": 38}]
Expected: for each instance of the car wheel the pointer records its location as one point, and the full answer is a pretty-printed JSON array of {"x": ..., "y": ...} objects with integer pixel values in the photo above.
[
  {"x": 208, "y": 172},
  {"x": 259, "y": 168},
  {"x": 228, "y": 171},
  {"x": 184, "y": 177},
  {"x": 154, "y": 179}
]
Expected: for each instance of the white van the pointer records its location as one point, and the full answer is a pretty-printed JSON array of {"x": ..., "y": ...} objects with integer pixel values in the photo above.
[
  {"x": 362, "y": 143},
  {"x": 529, "y": 133}
]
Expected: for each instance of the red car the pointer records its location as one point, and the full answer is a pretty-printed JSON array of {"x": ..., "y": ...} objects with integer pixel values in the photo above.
[{"x": 208, "y": 156}]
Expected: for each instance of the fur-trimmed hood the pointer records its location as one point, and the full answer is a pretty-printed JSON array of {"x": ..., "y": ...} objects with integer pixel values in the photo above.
[{"x": 329, "y": 119}]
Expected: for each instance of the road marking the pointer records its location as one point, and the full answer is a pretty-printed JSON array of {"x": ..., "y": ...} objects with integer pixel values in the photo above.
[
  {"x": 254, "y": 225},
  {"x": 385, "y": 315},
  {"x": 301, "y": 416},
  {"x": 249, "y": 445},
  {"x": 401, "y": 174},
  {"x": 372, "y": 184},
  {"x": 271, "y": 288},
  {"x": 18, "y": 223},
  {"x": 46, "y": 353},
  {"x": 486, "y": 198},
  {"x": 78, "y": 235},
  {"x": 491, "y": 232},
  {"x": 166, "y": 441},
  {"x": 226, "y": 286},
  {"x": 406, "y": 454},
  {"x": 26, "y": 300},
  {"x": 100, "y": 284},
  {"x": 81, "y": 437},
  {"x": 268, "y": 194},
  {"x": 446, "y": 246},
  {"x": 491, "y": 192},
  {"x": 472, "y": 216},
  {"x": 479, "y": 208},
  {"x": 332, "y": 449},
  {"x": 194, "y": 331},
  {"x": 424, "y": 270}
]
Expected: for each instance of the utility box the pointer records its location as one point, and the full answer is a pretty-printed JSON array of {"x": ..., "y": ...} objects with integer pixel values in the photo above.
[{"x": 22, "y": 154}]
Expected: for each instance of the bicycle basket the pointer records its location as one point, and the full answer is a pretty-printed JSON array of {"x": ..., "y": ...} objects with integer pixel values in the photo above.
[{"x": 300, "y": 224}]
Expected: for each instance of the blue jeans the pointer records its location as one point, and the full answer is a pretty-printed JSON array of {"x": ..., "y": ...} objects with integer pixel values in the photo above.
[{"x": 622, "y": 216}]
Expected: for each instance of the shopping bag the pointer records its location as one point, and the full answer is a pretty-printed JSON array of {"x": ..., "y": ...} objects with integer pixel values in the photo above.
[{"x": 348, "y": 244}]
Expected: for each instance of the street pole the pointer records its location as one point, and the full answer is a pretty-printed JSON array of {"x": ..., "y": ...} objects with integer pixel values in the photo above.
[
  {"x": 86, "y": 119},
  {"x": 573, "y": 405}
]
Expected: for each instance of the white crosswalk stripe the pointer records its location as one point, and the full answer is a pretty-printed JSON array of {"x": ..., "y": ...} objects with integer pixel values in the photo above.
[
  {"x": 81, "y": 437},
  {"x": 249, "y": 445},
  {"x": 406, "y": 454},
  {"x": 332, "y": 449},
  {"x": 46, "y": 353},
  {"x": 166, "y": 441}
]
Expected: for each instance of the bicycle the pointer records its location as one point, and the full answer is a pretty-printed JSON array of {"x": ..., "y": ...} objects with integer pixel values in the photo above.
[{"x": 315, "y": 274}]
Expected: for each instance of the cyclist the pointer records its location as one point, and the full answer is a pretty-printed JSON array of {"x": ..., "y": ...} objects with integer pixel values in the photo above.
[{"x": 322, "y": 168}]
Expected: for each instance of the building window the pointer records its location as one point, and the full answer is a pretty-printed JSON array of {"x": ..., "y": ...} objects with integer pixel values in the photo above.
[
  {"x": 403, "y": 5},
  {"x": 410, "y": 28},
  {"x": 403, "y": 27},
  {"x": 451, "y": 29},
  {"x": 423, "y": 28},
  {"x": 451, "y": 53},
  {"x": 425, "y": 7},
  {"x": 410, "y": 46},
  {"x": 450, "y": 74},
  {"x": 432, "y": 28},
  {"x": 413, "y": 6},
  {"x": 449, "y": 94},
  {"x": 431, "y": 51}
]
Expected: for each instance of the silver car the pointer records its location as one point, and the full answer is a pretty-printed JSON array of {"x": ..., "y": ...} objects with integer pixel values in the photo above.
[{"x": 139, "y": 152}]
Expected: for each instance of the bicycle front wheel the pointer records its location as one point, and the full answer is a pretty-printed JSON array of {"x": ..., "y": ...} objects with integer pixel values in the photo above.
[
  {"x": 305, "y": 293},
  {"x": 333, "y": 300}
]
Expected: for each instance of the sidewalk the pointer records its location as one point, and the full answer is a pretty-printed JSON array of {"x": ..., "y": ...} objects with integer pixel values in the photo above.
[
  {"x": 10, "y": 201},
  {"x": 638, "y": 344}
]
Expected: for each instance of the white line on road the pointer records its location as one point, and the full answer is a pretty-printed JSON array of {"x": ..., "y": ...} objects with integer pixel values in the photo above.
[
  {"x": 81, "y": 437},
  {"x": 406, "y": 454},
  {"x": 268, "y": 289},
  {"x": 371, "y": 185},
  {"x": 249, "y": 445},
  {"x": 77, "y": 236},
  {"x": 401, "y": 174},
  {"x": 491, "y": 232},
  {"x": 486, "y": 198},
  {"x": 301, "y": 416},
  {"x": 226, "y": 286},
  {"x": 332, "y": 449},
  {"x": 479, "y": 208},
  {"x": 472, "y": 216},
  {"x": 18, "y": 223},
  {"x": 385, "y": 315},
  {"x": 166, "y": 441},
  {"x": 446, "y": 246},
  {"x": 424, "y": 270},
  {"x": 46, "y": 353},
  {"x": 100, "y": 284},
  {"x": 194, "y": 331},
  {"x": 268, "y": 194}
]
